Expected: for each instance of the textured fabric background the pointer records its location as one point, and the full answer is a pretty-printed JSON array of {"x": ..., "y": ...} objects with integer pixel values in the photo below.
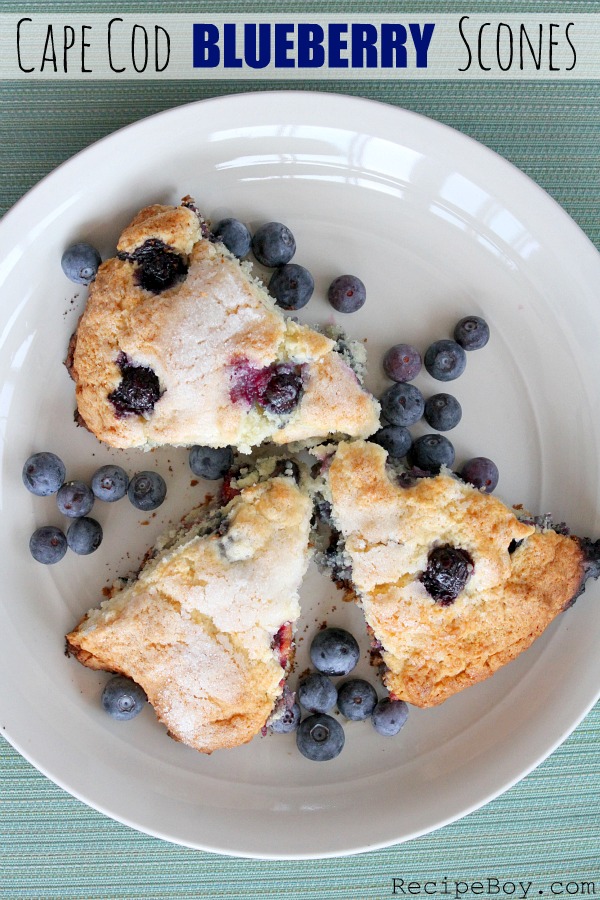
[{"x": 545, "y": 829}]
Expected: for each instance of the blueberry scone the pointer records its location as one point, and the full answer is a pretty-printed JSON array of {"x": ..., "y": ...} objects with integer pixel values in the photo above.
[
  {"x": 180, "y": 345},
  {"x": 206, "y": 626},
  {"x": 453, "y": 584}
]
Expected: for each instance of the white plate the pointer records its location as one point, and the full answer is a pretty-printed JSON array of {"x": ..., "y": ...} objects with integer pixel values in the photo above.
[{"x": 437, "y": 226}]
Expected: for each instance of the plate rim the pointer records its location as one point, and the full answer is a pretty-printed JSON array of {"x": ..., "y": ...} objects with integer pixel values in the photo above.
[{"x": 323, "y": 97}]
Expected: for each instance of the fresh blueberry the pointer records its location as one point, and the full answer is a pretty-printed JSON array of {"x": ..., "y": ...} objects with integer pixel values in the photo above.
[
  {"x": 234, "y": 235},
  {"x": 442, "y": 411},
  {"x": 43, "y": 473},
  {"x": 472, "y": 333},
  {"x": 74, "y": 499},
  {"x": 402, "y": 404},
  {"x": 356, "y": 699},
  {"x": 80, "y": 262},
  {"x": 347, "y": 293},
  {"x": 432, "y": 451},
  {"x": 396, "y": 439},
  {"x": 334, "y": 651},
  {"x": 287, "y": 722},
  {"x": 481, "y": 472},
  {"x": 389, "y": 716},
  {"x": 147, "y": 490},
  {"x": 84, "y": 535},
  {"x": 122, "y": 698},
  {"x": 445, "y": 360},
  {"x": 210, "y": 462},
  {"x": 273, "y": 244},
  {"x": 320, "y": 737},
  {"x": 48, "y": 545},
  {"x": 109, "y": 483},
  {"x": 448, "y": 570},
  {"x": 292, "y": 286},
  {"x": 317, "y": 693},
  {"x": 402, "y": 362}
]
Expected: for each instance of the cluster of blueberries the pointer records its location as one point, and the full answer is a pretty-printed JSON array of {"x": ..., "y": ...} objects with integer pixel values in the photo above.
[
  {"x": 291, "y": 284},
  {"x": 320, "y": 737},
  {"x": 44, "y": 474},
  {"x": 403, "y": 404}
]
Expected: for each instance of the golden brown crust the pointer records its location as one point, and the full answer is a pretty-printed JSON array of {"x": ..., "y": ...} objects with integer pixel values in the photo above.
[
  {"x": 176, "y": 226},
  {"x": 431, "y": 651},
  {"x": 94, "y": 361},
  {"x": 191, "y": 336},
  {"x": 196, "y": 628}
]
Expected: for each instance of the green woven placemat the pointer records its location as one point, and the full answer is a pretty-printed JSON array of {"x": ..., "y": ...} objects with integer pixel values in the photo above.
[{"x": 544, "y": 830}]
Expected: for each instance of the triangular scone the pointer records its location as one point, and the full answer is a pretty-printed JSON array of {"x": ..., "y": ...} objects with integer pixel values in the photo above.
[
  {"x": 206, "y": 626},
  {"x": 517, "y": 577},
  {"x": 180, "y": 345}
]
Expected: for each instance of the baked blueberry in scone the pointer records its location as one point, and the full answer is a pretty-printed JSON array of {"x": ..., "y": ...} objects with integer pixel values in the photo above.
[
  {"x": 180, "y": 345},
  {"x": 206, "y": 625},
  {"x": 452, "y": 583}
]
